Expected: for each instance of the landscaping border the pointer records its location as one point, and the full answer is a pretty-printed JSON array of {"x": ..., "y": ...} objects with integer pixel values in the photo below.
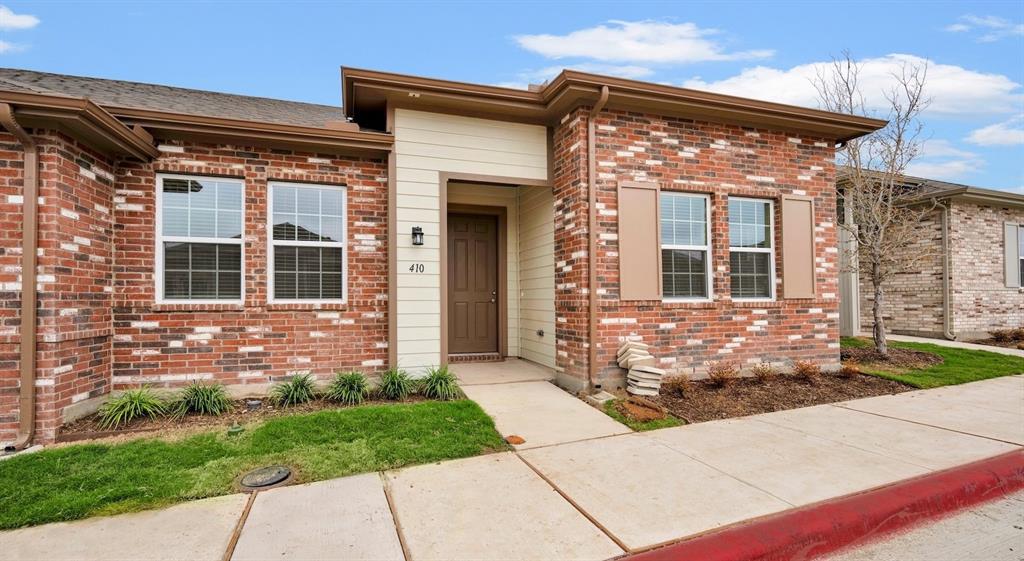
[{"x": 825, "y": 527}]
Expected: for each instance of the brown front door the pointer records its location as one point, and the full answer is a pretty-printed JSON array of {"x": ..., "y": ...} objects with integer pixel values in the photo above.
[{"x": 472, "y": 283}]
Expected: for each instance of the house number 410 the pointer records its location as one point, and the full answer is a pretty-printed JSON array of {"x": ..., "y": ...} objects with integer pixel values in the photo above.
[{"x": 416, "y": 268}]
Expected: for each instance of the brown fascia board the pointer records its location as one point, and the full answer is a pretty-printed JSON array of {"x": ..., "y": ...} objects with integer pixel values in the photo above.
[
  {"x": 573, "y": 88},
  {"x": 977, "y": 195},
  {"x": 83, "y": 117},
  {"x": 235, "y": 130}
]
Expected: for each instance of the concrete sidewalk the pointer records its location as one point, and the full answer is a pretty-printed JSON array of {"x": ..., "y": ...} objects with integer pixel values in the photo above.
[
  {"x": 957, "y": 344},
  {"x": 588, "y": 499}
]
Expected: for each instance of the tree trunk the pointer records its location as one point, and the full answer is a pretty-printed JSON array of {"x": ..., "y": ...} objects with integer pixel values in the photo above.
[{"x": 878, "y": 328}]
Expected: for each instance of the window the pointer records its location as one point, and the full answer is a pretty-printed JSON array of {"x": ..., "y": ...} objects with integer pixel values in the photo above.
[
  {"x": 1020, "y": 251},
  {"x": 751, "y": 258},
  {"x": 199, "y": 239},
  {"x": 307, "y": 243},
  {"x": 685, "y": 265}
]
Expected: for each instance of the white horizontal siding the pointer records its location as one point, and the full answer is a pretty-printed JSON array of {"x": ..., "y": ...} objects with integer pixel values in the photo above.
[
  {"x": 427, "y": 144},
  {"x": 537, "y": 275}
]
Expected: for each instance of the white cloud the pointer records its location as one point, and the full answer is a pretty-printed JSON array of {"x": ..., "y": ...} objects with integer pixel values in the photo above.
[
  {"x": 939, "y": 159},
  {"x": 10, "y": 21},
  {"x": 6, "y": 47},
  {"x": 650, "y": 42},
  {"x": 954, "y": 90},
  {"x": 992, "y": 28},
  {"x": 1007, "y": 133}
]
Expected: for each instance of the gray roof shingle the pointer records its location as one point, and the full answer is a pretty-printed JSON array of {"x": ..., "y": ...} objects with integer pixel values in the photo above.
[{"x": 135, "y": 95}]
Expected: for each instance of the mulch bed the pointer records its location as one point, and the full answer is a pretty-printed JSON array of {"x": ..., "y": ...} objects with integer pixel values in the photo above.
[
  {"x": 703, "y": 401},
  {"x": 1001, "y": 343},
  {"x": 89, "y": 427},
  {"x": 640, "y": 410},
  {"x": 898, "y": 357}
]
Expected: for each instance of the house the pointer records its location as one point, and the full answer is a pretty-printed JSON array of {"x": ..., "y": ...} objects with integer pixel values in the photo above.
[
  {"x": 969, "y": 285},
  {"x": 189, "y": 235}
]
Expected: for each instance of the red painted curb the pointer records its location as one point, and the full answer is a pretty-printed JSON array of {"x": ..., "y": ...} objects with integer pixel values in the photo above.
[{"x": 824, "y": 527}]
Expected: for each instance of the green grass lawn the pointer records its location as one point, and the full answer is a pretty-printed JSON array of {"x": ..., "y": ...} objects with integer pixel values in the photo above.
[
  {"x": 611, "y": 411},
  {"x": 959, "y": 366},
  {"x": 93, "y": 479}
]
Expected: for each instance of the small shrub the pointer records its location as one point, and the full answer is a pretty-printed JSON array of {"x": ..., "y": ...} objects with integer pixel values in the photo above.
[
  {"x": 440, "y": 384},
  {"x": 1020, "y": 345},
  {"x": 349, "y": 388},
  {"x": 395, "y": 384},
  {"x": 299, "y": 389},
  {"x": 764, "y": 372},
  {"x": 849, "y": 370},
  {"x": 807, "y": 371},
  {"x": 131, "y": 405},
  {"x": 1002, "y": 335},
  {"x": 677, "y": 385},
  {"x": 1018, "y": 334},
  {"x": 203, "y": 399},
  {"x": 722, "y": 374}
]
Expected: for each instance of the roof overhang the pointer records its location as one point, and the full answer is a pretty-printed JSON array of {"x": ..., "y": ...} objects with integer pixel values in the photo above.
[
  {"x": 83, "y": 119},
  {"x": 979, "y": 196},
  {"x": 933, "y": 190},
  {"x": 198, "y": 127},
  {"x": 369, "y": 90}
]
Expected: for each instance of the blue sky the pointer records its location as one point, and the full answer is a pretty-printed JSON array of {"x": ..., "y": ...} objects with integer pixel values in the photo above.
[{"x": 293, "y": 50}]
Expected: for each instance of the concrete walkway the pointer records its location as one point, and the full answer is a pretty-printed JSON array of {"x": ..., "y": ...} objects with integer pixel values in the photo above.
[
  {"x": 586, "y": 499},
  {"x": 957, "y": 345}
]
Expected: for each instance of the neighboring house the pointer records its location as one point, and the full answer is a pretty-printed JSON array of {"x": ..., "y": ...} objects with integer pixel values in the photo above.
[
  {"x": 971, "y": 282},
  {"x": 188, "y": 235}
]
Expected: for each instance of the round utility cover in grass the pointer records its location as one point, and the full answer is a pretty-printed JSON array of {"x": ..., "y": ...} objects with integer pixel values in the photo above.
[{"x": 264, "y": 477}]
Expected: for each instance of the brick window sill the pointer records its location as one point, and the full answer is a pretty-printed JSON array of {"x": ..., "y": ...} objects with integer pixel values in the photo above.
[
  {"x": 310, "y": 306},
  {"x": 198, "y": 308}
]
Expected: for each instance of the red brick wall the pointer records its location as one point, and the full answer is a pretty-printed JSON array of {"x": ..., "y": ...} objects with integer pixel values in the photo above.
[
  {"x": 74, "y": 279},
  {"x": 571, "y": 280},
  {"x": 719, "y": 160},
  {"x": 11, "y": 166},
  {"x": 168, "y": 345}
]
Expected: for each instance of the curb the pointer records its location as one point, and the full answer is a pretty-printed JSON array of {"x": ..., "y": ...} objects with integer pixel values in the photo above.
[{"x": 820, "y": 528}]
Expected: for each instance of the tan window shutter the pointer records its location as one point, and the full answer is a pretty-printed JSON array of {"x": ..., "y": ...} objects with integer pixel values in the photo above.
[
  {"x": 639, "y": 242},
  {"x": 1012, "y": 256},
  {"x": 798, "y": 247}
]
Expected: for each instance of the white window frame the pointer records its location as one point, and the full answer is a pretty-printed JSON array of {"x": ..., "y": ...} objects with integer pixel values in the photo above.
[
  {"x": 271, "y": 243},
  {"x": 705, "y": 248},
  {"x": 769, "y": 250},
  {"x": 1020, "y": 252},
  {"x": 160, "y": 238}
]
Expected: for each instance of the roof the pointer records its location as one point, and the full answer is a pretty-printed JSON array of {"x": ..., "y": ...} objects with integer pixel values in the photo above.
[
  {"x": 368, "y": 91},
  {"x": 936, "y": 189},
  {"x": 135, "y": 95}
]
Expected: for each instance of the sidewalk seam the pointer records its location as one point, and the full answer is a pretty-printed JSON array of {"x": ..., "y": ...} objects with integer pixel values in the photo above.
[
  {"x": 626, "y": 549},
  {"x": 386, "y": 485},
  {"x": 237, "y": 532},
  {"x": 1011, "y": 443}
]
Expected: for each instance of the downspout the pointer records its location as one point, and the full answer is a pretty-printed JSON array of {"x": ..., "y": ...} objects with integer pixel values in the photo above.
[
  {"x": 29, "y": 246},
  {"x": 592, "y": 233},
  {"x": 947, "y": 308}
]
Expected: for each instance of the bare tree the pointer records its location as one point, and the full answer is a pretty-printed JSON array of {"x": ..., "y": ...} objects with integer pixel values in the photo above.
[{"x": 886, "y": 212}]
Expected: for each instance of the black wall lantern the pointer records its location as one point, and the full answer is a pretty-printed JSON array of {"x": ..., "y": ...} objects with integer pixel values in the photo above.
[{"x": 417, "y": 235}]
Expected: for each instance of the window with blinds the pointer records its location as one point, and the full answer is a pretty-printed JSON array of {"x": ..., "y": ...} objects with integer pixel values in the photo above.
[
  {"x": 685, "y": 246},
  {"x": 199, "y": 252},
  {"x": 307, "y": 243},
  {"x": 751, "y": 253}
]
